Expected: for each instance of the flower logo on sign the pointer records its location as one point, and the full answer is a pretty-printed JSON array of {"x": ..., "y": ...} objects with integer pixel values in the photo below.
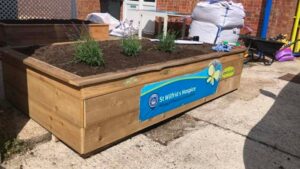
[{"x": 213, "y": 74}]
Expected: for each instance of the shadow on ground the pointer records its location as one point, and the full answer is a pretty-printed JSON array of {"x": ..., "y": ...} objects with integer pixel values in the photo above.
[
  {"x": 278, "y": 130},
  {"x": 11, "y": 123}
]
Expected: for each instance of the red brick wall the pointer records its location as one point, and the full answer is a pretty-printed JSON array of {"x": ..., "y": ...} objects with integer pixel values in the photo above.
[
  {"x": 182, "y": 6},
  {"x": 281, "y": 20},
  {"x": 84, "y": 7}
]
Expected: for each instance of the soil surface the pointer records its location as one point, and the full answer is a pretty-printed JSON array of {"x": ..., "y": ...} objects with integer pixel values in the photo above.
[
  {"x": 63, "y": 56},
  {"x": 45, "y": 21}
]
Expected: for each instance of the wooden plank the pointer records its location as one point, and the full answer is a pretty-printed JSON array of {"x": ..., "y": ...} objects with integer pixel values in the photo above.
[
  {"x": 111, "y": 105},
  {"x": 55, "y": 99},
  {"x": 98, "y": 31},
  {"x": 54, "y": 82},
  {"x": 108, "y": 106},
  {"x": 116, "y": 127},
  {"x": 15, "y": 86},
  {"x": 105, "y": 77},
  {"x": 32, "y": 34},
  {"x": 105, "y": 88},
  {"x": 14, "y": 77},
  {"x": 17, "y": 98},
  {"x": 2, "y": 37},
  {"x": 64, "y": 130},
  {"x": 49, "y": 69},
  {"x": 96, "y": 109}
]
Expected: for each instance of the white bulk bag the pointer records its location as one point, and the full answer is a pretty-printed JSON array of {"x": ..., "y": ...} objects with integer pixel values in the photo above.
[
  {"x": 105, "y": 18},
  {"x": 230, "y": 35},
  {"x": 208, "y": 32},
  {"x": 217, "y": 13}
]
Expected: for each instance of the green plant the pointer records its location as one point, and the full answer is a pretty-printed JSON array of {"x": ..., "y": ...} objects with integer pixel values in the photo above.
[
  {"x": 87, "y": 50},
  {"x": 8, "y": 147},
  {"x": 131, "y": 46},
  {"x": 167, "y": 43}
]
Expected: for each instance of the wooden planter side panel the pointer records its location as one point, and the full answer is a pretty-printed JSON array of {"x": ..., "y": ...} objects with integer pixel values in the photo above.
[
  {"x": 94, "y": 116},
  {"x": 2, "y": 37},
  {"x": 116, "y": 115},
  {"x": 15, "y": 85},
  {"x": 99, "y": 32},
  {"x": 15, "y": 81},
  {"x": 52, "y": 106},
  {"x": 25, "y": 35},
  {"x": 113, "y": 129},
  {"x": 144, "y": 78},
  {"x": 92, "y": 94}
]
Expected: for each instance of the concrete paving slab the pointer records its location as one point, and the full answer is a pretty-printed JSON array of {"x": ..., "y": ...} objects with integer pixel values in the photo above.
[{"x": 207, "y": 147}]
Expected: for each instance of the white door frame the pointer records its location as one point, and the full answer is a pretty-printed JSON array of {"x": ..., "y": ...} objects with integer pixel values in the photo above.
[{"x": 140, "y": 5}]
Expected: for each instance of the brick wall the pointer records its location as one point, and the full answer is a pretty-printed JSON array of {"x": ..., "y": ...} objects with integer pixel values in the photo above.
[
  {"x": 282, "y": 17},
  {"x": 281, "y": 20},
  {"x": 84, "y": 7},
  {"x": 182, "y": 6}
]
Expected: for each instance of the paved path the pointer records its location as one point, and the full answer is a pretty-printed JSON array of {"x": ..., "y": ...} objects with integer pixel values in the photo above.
[{"x": 256, "y": 127}]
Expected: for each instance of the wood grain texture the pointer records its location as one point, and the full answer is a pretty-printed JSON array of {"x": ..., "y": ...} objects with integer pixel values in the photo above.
[
  {"x": 98, "y": 31},
  {"x": 55, "y": 97},
  {"x": 88, "y": 113},
  {"x": 33, "y": 34},
  {"x": 121, "y": 98},
  {"x": 50, "y": 70},
  {"x": 153, "y": 76},
  {"x": 126, "y": 122},
  {"x": 104, "y": 77},
  {"x": 14, "y": 79}
]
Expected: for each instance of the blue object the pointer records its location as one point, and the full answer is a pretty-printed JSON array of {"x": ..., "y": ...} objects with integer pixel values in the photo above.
[
  {"x": 296, "y": 54},
  {"x": 265, "y": 24},
  {"x": 164, "y": 96},
  {"x": 222, "y": 48}
]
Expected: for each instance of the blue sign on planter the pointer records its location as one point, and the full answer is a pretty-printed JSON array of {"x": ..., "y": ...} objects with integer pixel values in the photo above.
[{"x": 161, "y": 97}]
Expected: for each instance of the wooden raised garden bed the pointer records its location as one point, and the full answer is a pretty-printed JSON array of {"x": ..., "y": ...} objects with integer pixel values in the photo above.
[
  {"x": 93, "y": 111},
  {"x": 34, "y": 32}
]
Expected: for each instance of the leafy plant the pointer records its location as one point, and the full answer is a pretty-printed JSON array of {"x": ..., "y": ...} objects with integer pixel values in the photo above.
[
  {"x": 167, "y": 43},
  {"x": 87, "y": 50},
  {"x": 131, "y": 46},
  {"x": 9, "y": 147}
]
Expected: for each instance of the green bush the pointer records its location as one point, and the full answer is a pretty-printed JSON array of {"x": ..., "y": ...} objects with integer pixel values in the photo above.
[
  {"x": 167, "y": 43},
  {"x": 131, "y": 46},
  {"x": 87, "y": 50}
]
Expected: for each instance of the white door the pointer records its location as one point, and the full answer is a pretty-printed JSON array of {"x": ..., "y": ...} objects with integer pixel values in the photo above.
[{"x": 130, "y": 13}]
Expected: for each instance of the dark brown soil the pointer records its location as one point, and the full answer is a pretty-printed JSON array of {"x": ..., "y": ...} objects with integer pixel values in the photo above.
[
  {"x": 63, "y": 57},
  {"x": 45, "y": 21}
]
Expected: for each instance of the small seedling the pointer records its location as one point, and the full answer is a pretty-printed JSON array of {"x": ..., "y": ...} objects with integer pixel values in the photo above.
[
  {"x": 131, "y": 46},
  {"x": 87, "y": 50},
  {"x": 167, "y": 43}
]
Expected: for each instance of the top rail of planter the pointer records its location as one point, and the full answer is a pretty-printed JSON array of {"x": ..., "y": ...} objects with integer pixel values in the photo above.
[{"x": 79, "y": 81}]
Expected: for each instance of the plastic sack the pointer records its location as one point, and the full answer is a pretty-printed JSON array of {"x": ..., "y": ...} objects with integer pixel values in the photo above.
[
  {"x": 229, "y": 34},
  {"x": 224, "y": 14},
  {"x": 105, "y": 18},
  {"x": 125, "y": 29},
  {"x": 208, "y": 32}
]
